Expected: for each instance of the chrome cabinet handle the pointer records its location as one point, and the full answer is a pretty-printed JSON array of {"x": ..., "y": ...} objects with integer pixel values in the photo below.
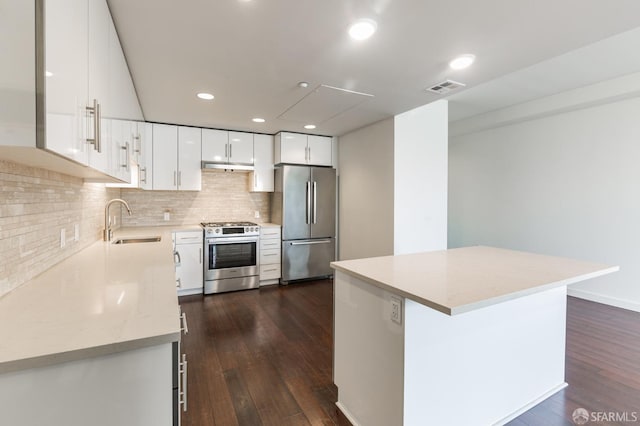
[
  {"x": 179, "y": 179},
  {"x": 315, "y": 204},
  {"x": 143, "y": 170},
  {"x": 226, "y": 150},
  {"x": 200, "y": 250},
  {"x": 95, "y": 111},
  {"x": 178, "y": 283},
  {"x": 175, "y": 182},
  {"x": 271, "y": 270},
  {"x": 183, "y": 391},
  {"x": 127, "y": 163},
  {"x": 139, "y": 139},
  {"x": 185, "y": 326},
  {"x": 270, "y": 254},
  {"x": 177, "y": 254},
  {"x": 309, "y": 155}
]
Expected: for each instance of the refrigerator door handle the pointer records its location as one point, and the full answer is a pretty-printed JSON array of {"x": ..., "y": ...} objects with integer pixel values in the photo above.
[
  {"x": 315, "y": 204},
  {"x": 308, "y": 202},
  {"x": 307, "y": 243}
]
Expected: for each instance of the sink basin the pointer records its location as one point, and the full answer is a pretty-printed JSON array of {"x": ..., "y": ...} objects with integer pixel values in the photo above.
[{"x": 136, "y": 240}]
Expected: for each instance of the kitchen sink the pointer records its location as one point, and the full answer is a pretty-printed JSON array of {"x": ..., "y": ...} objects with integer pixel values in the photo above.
[{"x": 136, "y": 240}]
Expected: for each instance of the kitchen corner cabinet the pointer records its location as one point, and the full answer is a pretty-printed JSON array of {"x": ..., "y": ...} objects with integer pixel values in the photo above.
[
  {"x": 261, "y": 179},
  {"x": 188, "y": 255},
  {"x": 176, "y": 158},
  {"x": 227, "y": 147},
  {"x": 297, "y": 148},
  {"x": 270, "y": 254}
]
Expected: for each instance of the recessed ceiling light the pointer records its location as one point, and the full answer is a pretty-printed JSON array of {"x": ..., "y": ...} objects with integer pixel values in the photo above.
[
  {"x": 310, "y": 126},
  {"x": 48, "y": 73},
  {"x": 362, "y": 29},
  {"x": 258, "y": 120},
  {"x": 462, "y": 61},
  {"x": 303, "y": 84},
  {"x": 205, "y": 96}
]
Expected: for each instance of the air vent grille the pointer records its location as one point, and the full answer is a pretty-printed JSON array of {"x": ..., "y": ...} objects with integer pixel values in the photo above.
[{"x": 445, "y": 87}]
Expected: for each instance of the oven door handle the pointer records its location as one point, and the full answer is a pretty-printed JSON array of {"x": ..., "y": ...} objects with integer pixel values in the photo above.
[
  {"x": 231, "y": 240},
  {"x": 306, "y": 243}
]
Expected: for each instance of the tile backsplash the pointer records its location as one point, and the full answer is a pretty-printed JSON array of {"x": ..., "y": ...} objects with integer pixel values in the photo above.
[
  {"x": 224, "y": 196},
  {"x": 35, "y": 204}
]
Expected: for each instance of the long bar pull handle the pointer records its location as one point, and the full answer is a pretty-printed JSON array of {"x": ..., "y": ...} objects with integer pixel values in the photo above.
[
  {"x": 185, "y": 326},
  {"x": 127, "y": 163},
  {"x": 98, "y": 126},
  {"x": 176, "y": 255},
  {"x": 143, "y": 170},
  {"x": 308, "y": 243},
  {"x": 139, "y": 148},
  {"x": 308, "y": 202},
  {"x": 93, "y": 110},
  {"x": 315, "y": 204},
  {"x": 175, "y": 174},
  {"x": 183, "y": 392},
  {"x": 230, "y": 151},
  {"x": 226, "y": 150},
  {"x": 200, "y": 255}
]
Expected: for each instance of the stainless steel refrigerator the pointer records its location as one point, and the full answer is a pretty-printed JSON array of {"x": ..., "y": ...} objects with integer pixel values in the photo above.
[{"x": 304, "y": 203}]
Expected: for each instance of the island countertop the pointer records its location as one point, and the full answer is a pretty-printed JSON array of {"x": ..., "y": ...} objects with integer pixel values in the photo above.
[
  {"x": 464, "y": 279},
  {"x": 104, "y": 299}
]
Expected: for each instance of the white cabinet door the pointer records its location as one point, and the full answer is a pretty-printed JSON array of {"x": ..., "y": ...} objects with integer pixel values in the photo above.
[
  {"x": 145, "y": 154},
  {"x": 99, "y": 21},
  {"x": 215, "y": 145},
  {"x": 123, "y": 100},
  {"x": 189, "y": 158},
  {"x": 189, "y": 272},
  {"x": 165, "y": 149},
  {"x": 319, "y": 150},
  {"x": 261, "y": 179},
  {"x": 241, "y": 148},
  {"x": 293, "y": 148},
  {"x": 66, "y": 65}
]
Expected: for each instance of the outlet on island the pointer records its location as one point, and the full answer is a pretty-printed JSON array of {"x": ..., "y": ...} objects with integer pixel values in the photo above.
[{"x": 167, "y": 215}]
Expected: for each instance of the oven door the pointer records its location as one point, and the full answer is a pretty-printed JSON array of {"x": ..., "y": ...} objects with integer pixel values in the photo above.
[{"x": 231, "y": 257}]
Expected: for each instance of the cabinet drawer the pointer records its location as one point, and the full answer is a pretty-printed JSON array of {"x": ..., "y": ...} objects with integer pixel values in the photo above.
[
  {"x": 188, "y": 237},
  {"x": 269, "y": 272},
  {"x": 270, "y": 232},
  {"x": 270, "y": 244},
  {"x": 270, "y": 256}
]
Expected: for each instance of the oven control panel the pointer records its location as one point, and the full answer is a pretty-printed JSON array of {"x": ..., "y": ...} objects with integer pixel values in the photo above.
[{"x": 230, "y": 231}]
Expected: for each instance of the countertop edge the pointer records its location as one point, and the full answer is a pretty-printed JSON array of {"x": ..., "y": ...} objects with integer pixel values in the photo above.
[
  {"x": 86, "y": 353},
  {"x": 457, "y": 310}
]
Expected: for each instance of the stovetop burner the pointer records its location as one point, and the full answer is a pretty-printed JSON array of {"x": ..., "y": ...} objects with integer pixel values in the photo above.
[{"x": 227, "y": 224}]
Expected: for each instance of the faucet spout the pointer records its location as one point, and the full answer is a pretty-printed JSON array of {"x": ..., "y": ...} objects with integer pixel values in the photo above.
[{"x": 107, "y": 234}]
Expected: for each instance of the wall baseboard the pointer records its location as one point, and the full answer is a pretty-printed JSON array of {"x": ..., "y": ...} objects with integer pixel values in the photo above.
[{"x": 607, "y": 300}]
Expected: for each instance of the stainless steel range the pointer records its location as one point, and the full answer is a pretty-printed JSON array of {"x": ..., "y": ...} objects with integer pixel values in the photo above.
[{"x": 231, "y": 257}]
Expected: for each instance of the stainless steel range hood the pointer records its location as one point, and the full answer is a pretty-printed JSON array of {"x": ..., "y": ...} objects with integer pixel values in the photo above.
[{"x": 224, "y": 166}]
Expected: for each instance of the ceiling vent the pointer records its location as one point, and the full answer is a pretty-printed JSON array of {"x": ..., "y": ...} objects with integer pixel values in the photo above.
[{"x": 445, "y": 87}]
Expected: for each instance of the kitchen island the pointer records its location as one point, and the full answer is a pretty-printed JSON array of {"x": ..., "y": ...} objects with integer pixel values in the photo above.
[{"x": 474, "y": 335}]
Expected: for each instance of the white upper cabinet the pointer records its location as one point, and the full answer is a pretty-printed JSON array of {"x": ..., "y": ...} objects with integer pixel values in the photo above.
[
  {"x": 165, "y": 157},
  {"x": 319, "y": 150},
  {"x": 189, "y": 158},
  {"x": 66, "y": 64},
  {"x": 297, "y": 148},
  {"x": 261, "y": 178},
  {"x": 176, "y": 158},
  {"x": 215, "y": 147},
  {"x": 225, "y": 147},
  {"x": 241, "y": 148},
  {"x": 123, "y": 102}
]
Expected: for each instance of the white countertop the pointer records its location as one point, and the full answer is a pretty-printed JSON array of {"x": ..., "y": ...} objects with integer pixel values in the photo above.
[
  {"x": 106, "y": 298},
  {"x": 464, "y": 279}
]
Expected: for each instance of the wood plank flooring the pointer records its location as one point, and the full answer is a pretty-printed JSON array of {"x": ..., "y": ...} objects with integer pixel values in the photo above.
[{"x": 264, "y": 357}]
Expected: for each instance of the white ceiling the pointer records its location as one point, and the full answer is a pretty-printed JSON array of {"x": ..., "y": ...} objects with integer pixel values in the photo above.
[{"x": 252, "y": 53}]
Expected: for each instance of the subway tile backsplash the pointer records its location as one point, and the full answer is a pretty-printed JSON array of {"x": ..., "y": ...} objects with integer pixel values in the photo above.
[
  {"x": 224, "y": 196},
  {"x": 35, "y": 204}
]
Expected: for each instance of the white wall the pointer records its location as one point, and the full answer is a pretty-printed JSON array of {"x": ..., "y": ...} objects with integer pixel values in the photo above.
[
  {"x": 365, "y": 159},
  {"x": 566, "y": 184},
  {"x": 420, "y": 179}
]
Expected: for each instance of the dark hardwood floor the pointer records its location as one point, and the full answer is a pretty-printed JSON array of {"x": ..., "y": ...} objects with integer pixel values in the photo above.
[{"x": 264, "y": 357}]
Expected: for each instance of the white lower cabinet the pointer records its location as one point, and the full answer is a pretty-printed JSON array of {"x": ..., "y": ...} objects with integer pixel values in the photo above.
[
  {"x": 134, "y": 387},
  {"x": 270, "y": 254},
  {"x": 188, "y": 257}
]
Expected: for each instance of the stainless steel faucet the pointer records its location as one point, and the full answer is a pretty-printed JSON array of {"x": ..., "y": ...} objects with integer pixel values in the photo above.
[{"x": 108, "y": 233}]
